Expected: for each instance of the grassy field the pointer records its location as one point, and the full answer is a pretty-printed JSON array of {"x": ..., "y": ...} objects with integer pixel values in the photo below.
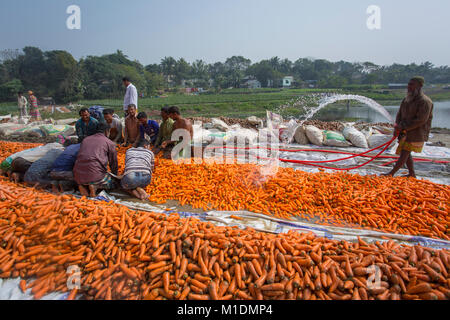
[{"x": 237, "y": 103}]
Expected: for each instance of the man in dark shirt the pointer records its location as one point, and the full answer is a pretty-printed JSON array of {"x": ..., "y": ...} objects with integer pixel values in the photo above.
[
  {"x": 86, "y": 125},
  {"x": 147, "y": 127},
  {"x": 38, "y": 172},
  {"x": 412, "y": 125},
  {"x": 62, "y": 169},
  {"x": 91, "y": 166}
]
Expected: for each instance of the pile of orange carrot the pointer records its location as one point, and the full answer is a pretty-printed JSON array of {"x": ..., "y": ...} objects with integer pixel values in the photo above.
[
  {"x": 394, "y": 205},
  {"x": 9, "y": 148},
  {"x": 126, "y": 254}
]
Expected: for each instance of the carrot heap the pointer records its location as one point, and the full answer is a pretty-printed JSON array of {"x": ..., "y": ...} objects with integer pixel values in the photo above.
[
  {"x": 394, "y": 205},
  {"x": 125, "y": 254},
  {"x": 9, "y": 148}
]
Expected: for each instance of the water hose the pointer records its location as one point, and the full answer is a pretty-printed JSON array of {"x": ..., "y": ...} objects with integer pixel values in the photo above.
[
  {"x": 353, "y": 155},
  {"x": 385, "y": 146},
  {"x": 314, "y": 164}
]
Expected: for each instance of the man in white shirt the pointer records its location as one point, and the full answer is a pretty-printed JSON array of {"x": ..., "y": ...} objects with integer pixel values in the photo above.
[
  {"x": 131, "y": 95},
  {"x": 22, "y": 102}
]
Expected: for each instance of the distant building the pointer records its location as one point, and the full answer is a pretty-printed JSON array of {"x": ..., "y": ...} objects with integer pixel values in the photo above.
[
  {"x": 398, "y": 85},
  {"x": 287, "y": 81},
  {"x": 251, "y": 84}
]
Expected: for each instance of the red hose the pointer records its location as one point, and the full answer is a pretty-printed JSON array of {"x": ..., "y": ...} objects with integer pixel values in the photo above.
[
  {"x": 385, "y": 146},
  {"x": 312, "y": 161},
  {"x": 343, "y": 169},
  {"x": 388, "y": 163},
  {"x": 354, "y": 155}
]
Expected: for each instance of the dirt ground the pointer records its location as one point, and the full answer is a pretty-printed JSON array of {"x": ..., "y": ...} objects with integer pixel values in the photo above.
[{"x": 441, "y": 137}]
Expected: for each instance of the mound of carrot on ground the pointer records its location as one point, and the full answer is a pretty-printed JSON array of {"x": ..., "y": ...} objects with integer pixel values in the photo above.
[
  {"x": 394, "y": 205},
  {"x": 9, "y": 148},
  {"x": 126, "y": 254}
]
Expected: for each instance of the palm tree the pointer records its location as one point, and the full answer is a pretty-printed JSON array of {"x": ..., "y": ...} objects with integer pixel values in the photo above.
[
  {"x": 168, "y": 66},
  {"x": 275, "y": 63}
]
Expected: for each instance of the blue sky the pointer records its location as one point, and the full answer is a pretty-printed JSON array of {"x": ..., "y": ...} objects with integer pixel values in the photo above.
[{"x": 212, "y": 30}]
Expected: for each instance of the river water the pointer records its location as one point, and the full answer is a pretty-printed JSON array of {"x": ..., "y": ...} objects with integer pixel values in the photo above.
[{"x": 441, "y": 114}]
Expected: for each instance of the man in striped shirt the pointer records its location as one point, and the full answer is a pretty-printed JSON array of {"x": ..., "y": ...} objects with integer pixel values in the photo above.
[{"x": 139, "y": 166}]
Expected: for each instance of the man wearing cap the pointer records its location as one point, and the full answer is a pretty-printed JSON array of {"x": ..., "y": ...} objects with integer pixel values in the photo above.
[{"x": 412, "y": 125}]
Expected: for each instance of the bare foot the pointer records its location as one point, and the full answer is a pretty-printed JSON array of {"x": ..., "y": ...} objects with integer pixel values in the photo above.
[
  {"x": 143, "y": 194},
  {"x": 61, "y": 189},
  {"x": 136, "y": 194},
  {"x": 410, "y": 176},
  {"x": 83, "y": 191},
  {"x": 92, "y": 191}
]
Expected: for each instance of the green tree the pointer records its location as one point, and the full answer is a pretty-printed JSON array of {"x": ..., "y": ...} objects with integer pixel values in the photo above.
[
  {"x": 334, "y": 81},
  {"x": 153, "y": 68},
  {"x": 8, "y": 90},
  {"x": 64, "y": 79},
  {"x": 263, "y": 72},
  {"x": 182, "y": 70},
  {"x": 275, "y": 63},
  {"x": 199, "y": 71},
  {"x": 155, "y": 82},
  {"x": 168, "y": 66},
  {"x": 304, "y": 69},
  {"x": 286, "y": 67},
  {"x": 3, "y": 73},
  {"x": 217, "y": 73},
  {"x": 136, "y": 78},
  {"x": 31, "y": 69},
  {"x": 235, "y": 68}
]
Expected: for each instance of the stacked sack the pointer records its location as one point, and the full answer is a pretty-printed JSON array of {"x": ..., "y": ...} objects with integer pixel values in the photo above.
[{"x": 366, "y": 137}]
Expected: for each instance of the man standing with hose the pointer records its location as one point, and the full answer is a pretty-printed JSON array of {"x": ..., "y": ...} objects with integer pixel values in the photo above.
[{"x": 412, "y": 125}]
